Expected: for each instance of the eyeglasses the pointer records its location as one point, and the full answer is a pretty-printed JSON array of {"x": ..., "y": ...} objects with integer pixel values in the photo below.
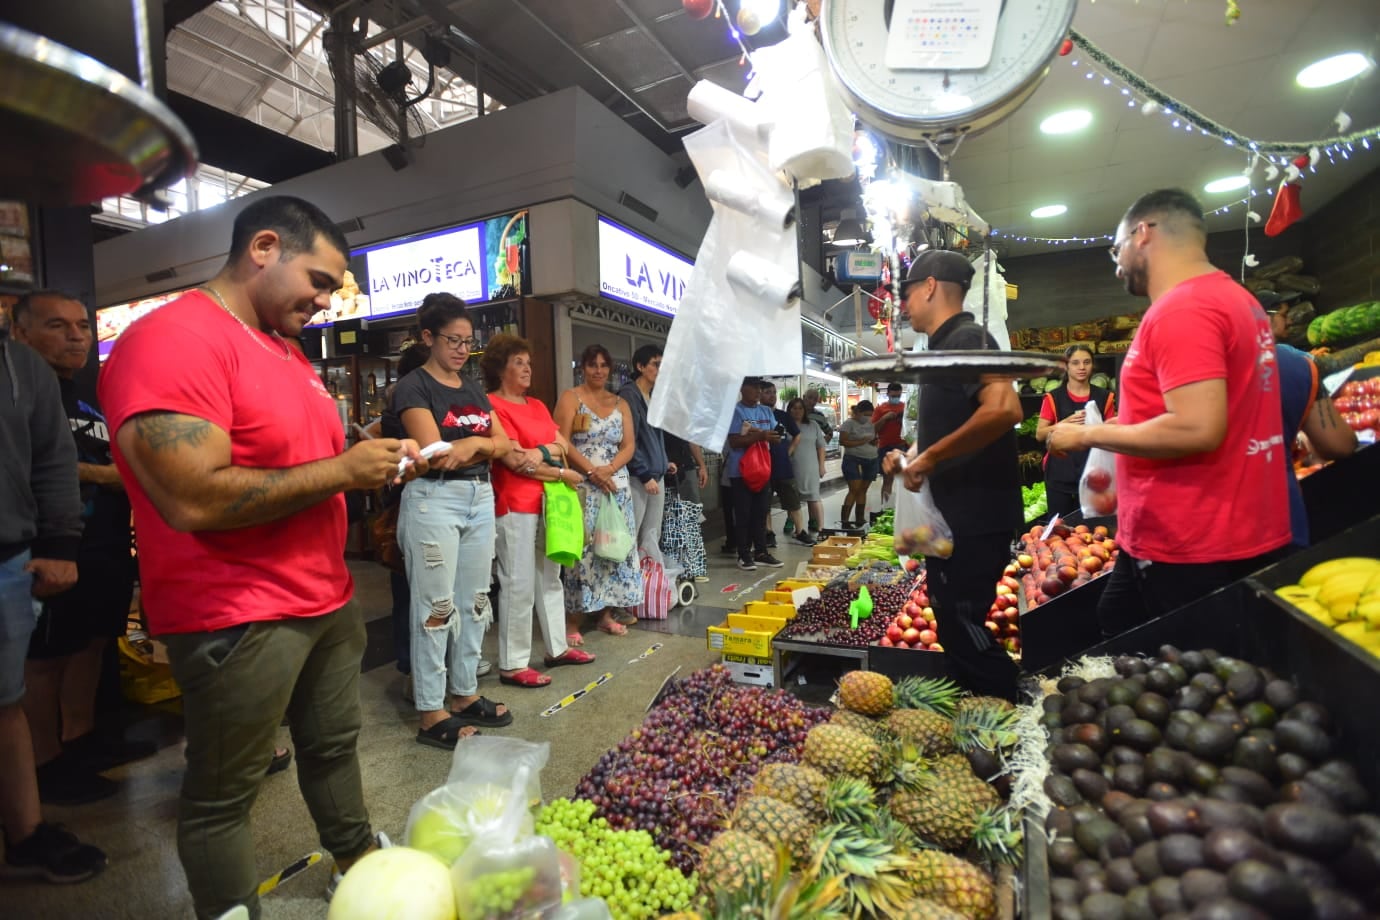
[
  {"x": 458, "y": 343},
  {"x": 1115, "y": 249}
]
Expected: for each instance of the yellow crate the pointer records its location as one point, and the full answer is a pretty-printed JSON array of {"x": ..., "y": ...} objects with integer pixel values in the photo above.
[
  {"x": 794, "y": 584},
  {"x": 777, "y": 597},
  {"x": 784, "y": 611},
  {"x": 744, "y": 635}
]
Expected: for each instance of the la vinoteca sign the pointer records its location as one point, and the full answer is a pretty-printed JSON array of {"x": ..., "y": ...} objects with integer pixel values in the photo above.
[
  {"x": 402, "y": 274},
  {"x": 637, "y": 271}
]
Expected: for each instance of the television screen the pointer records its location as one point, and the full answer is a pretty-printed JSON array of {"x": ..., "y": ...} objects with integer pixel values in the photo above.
[{"x": 112, "y": 321}]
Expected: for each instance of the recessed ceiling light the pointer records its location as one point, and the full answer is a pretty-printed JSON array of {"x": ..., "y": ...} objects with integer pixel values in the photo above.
[
  {"x": 1336, "y": 69},
  {"x": 1066, "y": 122},
  {"x": 1227, "y": 184},
  {"x": 1049, "y": 210}
]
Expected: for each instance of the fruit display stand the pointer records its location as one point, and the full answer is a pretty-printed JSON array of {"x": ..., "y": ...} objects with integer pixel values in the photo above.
[{"x": 1342, "y": 493}]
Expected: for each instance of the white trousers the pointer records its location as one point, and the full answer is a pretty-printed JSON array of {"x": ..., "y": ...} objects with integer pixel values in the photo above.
[
  {"x": 529, "y": 583},
  {"x": 648, "y": 511}
]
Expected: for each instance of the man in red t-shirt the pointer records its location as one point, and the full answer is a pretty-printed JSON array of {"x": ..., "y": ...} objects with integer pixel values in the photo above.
[
  {"x": 231, "y": 451},
  {"x": 887, "y": 419},
  {"x": 1201, "y": 453}
]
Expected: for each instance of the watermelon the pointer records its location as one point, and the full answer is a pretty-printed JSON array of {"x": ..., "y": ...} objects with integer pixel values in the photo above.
[{"x": 1315, "y": 331}]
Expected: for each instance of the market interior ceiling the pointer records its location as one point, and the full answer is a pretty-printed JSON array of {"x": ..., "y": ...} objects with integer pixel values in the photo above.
[{"x": 261, "y": 60}]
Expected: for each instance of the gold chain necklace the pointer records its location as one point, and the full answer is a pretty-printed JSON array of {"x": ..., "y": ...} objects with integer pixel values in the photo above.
[{"x": 287, "y": 352}]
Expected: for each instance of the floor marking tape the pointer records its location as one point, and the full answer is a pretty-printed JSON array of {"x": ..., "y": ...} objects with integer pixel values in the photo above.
[
  {"x": 647, "y": 654},
  {"x": 277, "y": 878},
  {"x": 557, "y": 707}
]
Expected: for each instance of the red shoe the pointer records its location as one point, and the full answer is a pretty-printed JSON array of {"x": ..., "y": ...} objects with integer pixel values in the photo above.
[{"x": 571, "y": 656}]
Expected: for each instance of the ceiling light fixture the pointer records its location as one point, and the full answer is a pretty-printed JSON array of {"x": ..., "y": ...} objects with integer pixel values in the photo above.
[
  {"x": 849, "y": 232},
  {"x": 1335, "y": 69},
  {"x": 1227, "y": 184},
  {"x": 1049, "y": 210},
  {"x": 1066, "y": 122}
]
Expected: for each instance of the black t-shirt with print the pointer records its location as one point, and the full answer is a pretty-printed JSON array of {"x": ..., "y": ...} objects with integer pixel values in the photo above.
[
  {"x": 460, "y": 412},
  {"x": 105, "y": 512}
]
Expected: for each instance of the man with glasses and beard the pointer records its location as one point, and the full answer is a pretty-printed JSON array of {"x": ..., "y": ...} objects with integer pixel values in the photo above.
[{"x": 1200, "y": 451}]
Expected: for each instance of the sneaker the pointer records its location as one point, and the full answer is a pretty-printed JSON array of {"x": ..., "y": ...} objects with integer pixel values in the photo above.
[
  {"x": 336, "y": 875},
  {"x": 806, "y": 538},
  {"x": 485, "y": 668},
  {"x": 788, "y": 528},
  {"x": 54, "y": 854},
  {"x": 771, "y": 541},
  {"x": 768, "y": 560},
  {"x": 63, "y": 781},
  {"x": 747, "y": 565}
]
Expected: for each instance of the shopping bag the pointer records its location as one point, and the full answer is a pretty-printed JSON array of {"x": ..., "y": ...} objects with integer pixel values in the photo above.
[
  {"x": 682, "y": 537},
  {"x": 657, "y": 591},
  {"x": 755, "y": 467},
  {"x": 920, "y": 528},
  {"x": 1097, "y": 485},
  {"x": 612, "y": 539},
  {"x": 564, "y": 518}
]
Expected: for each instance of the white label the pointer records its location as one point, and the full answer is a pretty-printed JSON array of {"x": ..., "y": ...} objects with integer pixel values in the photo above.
[
  {"x": 637, "y": 271},
  {"x": 400, "y": 276},
  {"x": 942, "y": 34}
]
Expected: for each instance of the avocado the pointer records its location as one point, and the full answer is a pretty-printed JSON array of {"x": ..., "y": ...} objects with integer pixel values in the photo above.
[
  {"x": 1192, "y": 698},
  {"x": 1176, "y": 671},
  {"x": 1309, "y": 830},
  {"x": 1126, "y": 665},
  {"x": 1177, "y": 728},
  {"x": 1093, "y": 834},
  {"x": 1121, "y": 875},
  {"x": 1200, "y": 885},
  {"x": 1166, "y": 895},
  {"x": 1169, "y": 653},
  {"x": 1226, "y": 909},
  {"x": 1301, "y": 790},
  {"x": 1061, "y": 790},
  {"x": 1194, "y": 661},
  {"x": 1224, "y": 847},
  {"x": 1246, "y": 685},
  {"x": 1069, "y": 684},
  {"x": 1309, "y": 871},
  {"x": 1175, "y": 816},
  {"x": 1123, "y": 693},
  {"x": 1255, "y": 754},
  {"x": 1085, "y": 869},
  {"x": 1257, "y": 788},
  {"x": 1058, "y": 822},
  {"x": 1162, "y": 792},
  {"x": 1210, "y": 741},
  {"x": 1338, "y": 779},
  {"x": 1129, "y": 778},
  {"x": 1139, "y": 734},
  {"x": 1069, "y": 757},
  {"x": 1210, "y": 684},
  {"x": 1281, "y": 695},
  {"x": 1051, "y": 723},
  {"x": 1229, "y": 793},
  {"x": 1146, "y": 859},
  {"x": 1084, "y": 812},
  {"x": 1094, "y": 692},
  {"x": 1331, "y": 904},
  {"x": 1054, "y": 702},
  {"x": 1063, "y": 854},
  {"x": 1164, "y": 765},
  {"x": 1075, "y": 711},
  {"x": 1092, "y": 785},
  {"x": 1067, "y": 911},
  {"x": 1121, "y": 754},
  {"x": 1064, "y": 890},
  {"x": 1259, "y": 714},
  {"x": 1211, "y": 814},
  {"x": 1161, "y": 681},
  {"x": 1152, "y": 707},
  {"x": 1230, "y": 718},
  {"x": 1269, "y": 888},
  {"x": 1200, "y": 774},
  {"x": 1312, "y": 713},
  {"x": 1132, "y": 819},
  {"x": 1104, "y": 905},
  {"x": 1292, "y": 766},
  {"x": 1225, "y": 666},
  {"x": 1117, "y": 716},
  {"x": 1304, "y": 738},
  {"x": 1090, "y": 734},
  {"x": 1180, "y": 852},
  {"x": 1137, "y": 904},
  {"x": 1114, "y": 801}
]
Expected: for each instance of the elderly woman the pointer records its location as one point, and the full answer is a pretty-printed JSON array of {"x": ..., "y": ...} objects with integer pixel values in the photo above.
[
  {"x": 599, "y": 426},
  {"x": 528, "y": 581},
  {"x": 446, "y": 527}
]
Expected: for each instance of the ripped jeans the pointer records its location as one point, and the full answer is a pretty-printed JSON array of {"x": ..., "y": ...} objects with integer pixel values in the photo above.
[{"x": 446, "y": 531}]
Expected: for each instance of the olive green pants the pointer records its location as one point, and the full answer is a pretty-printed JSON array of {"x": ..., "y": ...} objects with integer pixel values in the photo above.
[{"x": 236, "y": 685}]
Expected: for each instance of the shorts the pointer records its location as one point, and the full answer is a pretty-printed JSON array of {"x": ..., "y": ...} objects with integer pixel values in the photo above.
[
  {"x": 855, "y": 468},
  {"x": 97, "y": 607},
  {"x": 18, "y": 614},
  {"x": 788, "y": 493}
]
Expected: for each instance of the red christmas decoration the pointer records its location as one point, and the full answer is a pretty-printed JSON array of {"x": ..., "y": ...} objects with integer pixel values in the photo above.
[
  {"x": 698, "y": 9},
  {"x": 1288, "y": 207},
  {"x": 1066, "y": 48}
]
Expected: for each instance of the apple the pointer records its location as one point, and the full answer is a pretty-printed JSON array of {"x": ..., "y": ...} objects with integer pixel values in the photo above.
[
  {"x": 1011, "y": 645},
  {"x": 905, "y": 620},
  {"x": 992, "y": 627},
  {"x": 928, "y": 637},
  {"x": 885, "y": 642},
  {"x": 927, "y": 612},
  {"x": 1003, "y": 590},
  {"x": 1067, "y": 573},
  {"x": 936, "y": 647},
  {"x": 1024, "y": 560},
  {"x": 1052, "y": 587},
  {"x": 912, "y": 565},
  {"x": 1104, "y": 503},
  {"x": 1011, "y": 569},
  {"x": 1092, "y": 565},
  {"x": 1097, "y": 480},
  {"x": 911, "y": 635},
  {"x": 902, "y": 644},
  {"x": 1011, "y": 629}
]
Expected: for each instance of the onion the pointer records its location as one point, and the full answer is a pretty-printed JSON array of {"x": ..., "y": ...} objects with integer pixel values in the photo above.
[{"x": 398, "y": 883}]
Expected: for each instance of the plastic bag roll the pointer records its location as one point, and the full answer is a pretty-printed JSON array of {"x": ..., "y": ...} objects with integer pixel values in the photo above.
[
  {"x": 775, "y": 206},
  {"x": 753, "y": 276},
  {"x": 708, "y": 102}
]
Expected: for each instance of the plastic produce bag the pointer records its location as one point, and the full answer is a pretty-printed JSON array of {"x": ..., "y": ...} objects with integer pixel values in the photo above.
[
  {"x": 1097, "y": 486},
  {"x": 920, "y": 529},
  {"x": 508, "y": 872},
  {"x": 612, "y": 539},
  {"x": 445, "y": 821},
  {"x": 486, "y": 759}
]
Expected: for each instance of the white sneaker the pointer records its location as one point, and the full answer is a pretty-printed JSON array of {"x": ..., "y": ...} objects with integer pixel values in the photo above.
[
  {"x": 485, "y": 668},
  {"x": 336, "y": 875}
]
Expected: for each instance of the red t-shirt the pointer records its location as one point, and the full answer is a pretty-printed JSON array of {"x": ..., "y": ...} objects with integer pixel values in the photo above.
[
  {"x": 1050, "y": 414},
  {"x": 888, "y": 431},
  {"x": 1228, "y": 504},
  {"x": 193, "y": 358},
  {"x": 527, "y": 425}
]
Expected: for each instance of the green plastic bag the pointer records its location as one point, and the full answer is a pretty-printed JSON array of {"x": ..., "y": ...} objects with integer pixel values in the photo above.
[
  {"x": 565, "y": 523},
  {"x": 612, "y": 539}
]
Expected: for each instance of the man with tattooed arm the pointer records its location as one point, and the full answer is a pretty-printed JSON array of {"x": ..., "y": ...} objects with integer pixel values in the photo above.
[{"x": 233, "y": 455}]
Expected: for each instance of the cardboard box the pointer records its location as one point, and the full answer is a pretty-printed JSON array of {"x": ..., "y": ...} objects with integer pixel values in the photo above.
[
  {"x": 849, "y": 543},
  {"x": 741, "y": 634},
  {"x": 777, "y": 597},
  {"x": 781, "y": 611},
  {"x": 751, "y": 671},
  {"x": 830, "y": 555}
]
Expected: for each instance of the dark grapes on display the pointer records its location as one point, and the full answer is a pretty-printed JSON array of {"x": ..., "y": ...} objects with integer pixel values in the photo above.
[{"x": 826, "y": 619}]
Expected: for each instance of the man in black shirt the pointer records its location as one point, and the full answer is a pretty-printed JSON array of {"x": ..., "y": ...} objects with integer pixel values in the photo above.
[{"x": 966, "y": 448}]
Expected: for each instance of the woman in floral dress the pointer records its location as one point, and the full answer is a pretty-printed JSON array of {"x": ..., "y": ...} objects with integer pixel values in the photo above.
[{"x": 599, "y": 427}]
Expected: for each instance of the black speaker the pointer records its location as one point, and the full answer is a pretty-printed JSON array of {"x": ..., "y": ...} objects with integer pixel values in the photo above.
[
  {"x": 398, "y": 157},
  {"x": 686, "y": 175}
]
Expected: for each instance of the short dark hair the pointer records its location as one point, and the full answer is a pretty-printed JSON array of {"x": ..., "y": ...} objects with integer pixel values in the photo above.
[
  {"x": 439, "y": 310},
  {"x": 893, "y": 385},
  {"x": 496, "y": 354},
  {"x": 864, "y": 405},
  {"x": 645, "y": 355},
  {"x": 19, "y": 313},
  {"x": 1170, "y": 202},
  {"x": 297, "y": 222},
  {"x": 595, "y": 351}
]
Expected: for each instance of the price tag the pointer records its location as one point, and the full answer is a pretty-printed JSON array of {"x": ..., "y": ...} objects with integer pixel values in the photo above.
[
  {"x": 1334, "y": 382},
  {"x": 942, "y": 34}
]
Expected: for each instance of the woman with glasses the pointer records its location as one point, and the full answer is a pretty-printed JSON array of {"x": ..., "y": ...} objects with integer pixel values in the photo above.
[
  {"x": 599, "y": 427},
  {"x": 858, "y": 436},
  {"x": 1069, "y": 403},
  {"x": 446, "y": 527}
]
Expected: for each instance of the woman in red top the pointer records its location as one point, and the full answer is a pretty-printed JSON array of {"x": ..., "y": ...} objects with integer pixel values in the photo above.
[
  {"x": 528, "y": 580},
  {"x": 1068, "y": 403}
]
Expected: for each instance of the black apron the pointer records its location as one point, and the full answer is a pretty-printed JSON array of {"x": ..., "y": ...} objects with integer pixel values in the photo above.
[{"x": 1067, "y": 470}]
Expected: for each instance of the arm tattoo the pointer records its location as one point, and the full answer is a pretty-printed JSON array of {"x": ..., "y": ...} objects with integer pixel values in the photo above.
[
  {"x": 1325, "y": 417},
  {"x": 252, "y": 496},
  {"x": 164, "y": 431}
]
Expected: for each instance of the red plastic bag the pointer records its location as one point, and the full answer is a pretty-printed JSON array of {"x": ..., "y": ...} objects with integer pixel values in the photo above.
[
  {"x": 755, "y": 467},
  {"x": 657, "y": 591}
]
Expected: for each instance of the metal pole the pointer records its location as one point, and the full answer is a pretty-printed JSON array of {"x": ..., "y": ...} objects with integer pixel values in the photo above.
[
  {"x": 346, "y": 126},
  {"x": 857, "y": 315},
  {"x": 141, "y": 45}
]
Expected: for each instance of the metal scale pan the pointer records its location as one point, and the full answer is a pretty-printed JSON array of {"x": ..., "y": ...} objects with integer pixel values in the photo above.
[
  {"x": 948, "y": 366},
  {"x": 75, "y": 131}
]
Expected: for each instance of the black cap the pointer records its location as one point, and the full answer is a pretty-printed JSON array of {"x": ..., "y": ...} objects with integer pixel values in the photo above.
[
  {"x": 941, "y": 265},
  {"x": 1271, "y": 300}
]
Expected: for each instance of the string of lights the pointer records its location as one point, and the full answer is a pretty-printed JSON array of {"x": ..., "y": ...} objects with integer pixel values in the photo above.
[{"x": 1107, "y": 237}]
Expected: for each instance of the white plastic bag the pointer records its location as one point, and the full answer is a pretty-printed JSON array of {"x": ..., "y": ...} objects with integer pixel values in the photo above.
[
  {"x": 612, "y": 539},
  {"x": 489, "y": 759},
  {"x": 920, "y": 529},
  {"x": 1097, "y": 485},
  {"x": 446, "y": 820}
]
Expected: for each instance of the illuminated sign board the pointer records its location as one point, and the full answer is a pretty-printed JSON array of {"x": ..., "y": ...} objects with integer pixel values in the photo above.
[{"x": 637, "y": 271}]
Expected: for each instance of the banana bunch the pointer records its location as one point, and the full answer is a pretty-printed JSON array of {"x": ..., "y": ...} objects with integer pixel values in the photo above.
[{"x": 1343, "y": 594}]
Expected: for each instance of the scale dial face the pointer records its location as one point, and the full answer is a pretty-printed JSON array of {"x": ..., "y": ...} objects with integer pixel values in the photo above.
[{"x": 911, "y": 104}]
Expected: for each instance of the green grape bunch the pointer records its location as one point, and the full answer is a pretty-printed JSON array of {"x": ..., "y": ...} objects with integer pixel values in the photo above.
[{"x": 494, "y": 895}]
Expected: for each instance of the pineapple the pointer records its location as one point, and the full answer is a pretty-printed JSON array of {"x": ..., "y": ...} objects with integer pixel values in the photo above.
[
  {"x": 945, "y": 812},
  {"x": 871, "y": 870},
  {"x": 928, "y": 693},
  {"x": 775, "y": 823},
  {"x": 996, "y": 840},
  {"x": 953, "y": 882},
  {"x": 929, "y": 730},
  {"x": 796, "y": 784},
  {"x": 833, "y": 749},
  {"x": 872, "y": 728},
  {"x": 776, "y": 895},
  {"x": 993, "y": 702},
  {"x": 988, "y": 725},
  {"x": 866, "y": 692},
  {"x": 732, "y": 858},
  {"x": 849, "y": 800},
  {"x": 925, "y": 909}
]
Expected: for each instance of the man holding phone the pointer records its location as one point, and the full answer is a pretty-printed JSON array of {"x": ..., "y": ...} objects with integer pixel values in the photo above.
[{"x": 753, "y": 423}]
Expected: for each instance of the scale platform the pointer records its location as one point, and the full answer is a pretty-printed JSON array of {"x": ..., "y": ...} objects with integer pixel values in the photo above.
[{"x": 937, "y": 366}]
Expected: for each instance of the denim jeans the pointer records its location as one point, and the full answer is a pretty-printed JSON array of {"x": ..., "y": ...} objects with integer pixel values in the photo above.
[
  {"x": 19, "y": 612},
  {"x": 446, "y": 531}
]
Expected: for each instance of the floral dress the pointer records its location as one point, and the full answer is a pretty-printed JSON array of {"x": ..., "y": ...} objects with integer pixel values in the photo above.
[{"x": 596, "y": 583}]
